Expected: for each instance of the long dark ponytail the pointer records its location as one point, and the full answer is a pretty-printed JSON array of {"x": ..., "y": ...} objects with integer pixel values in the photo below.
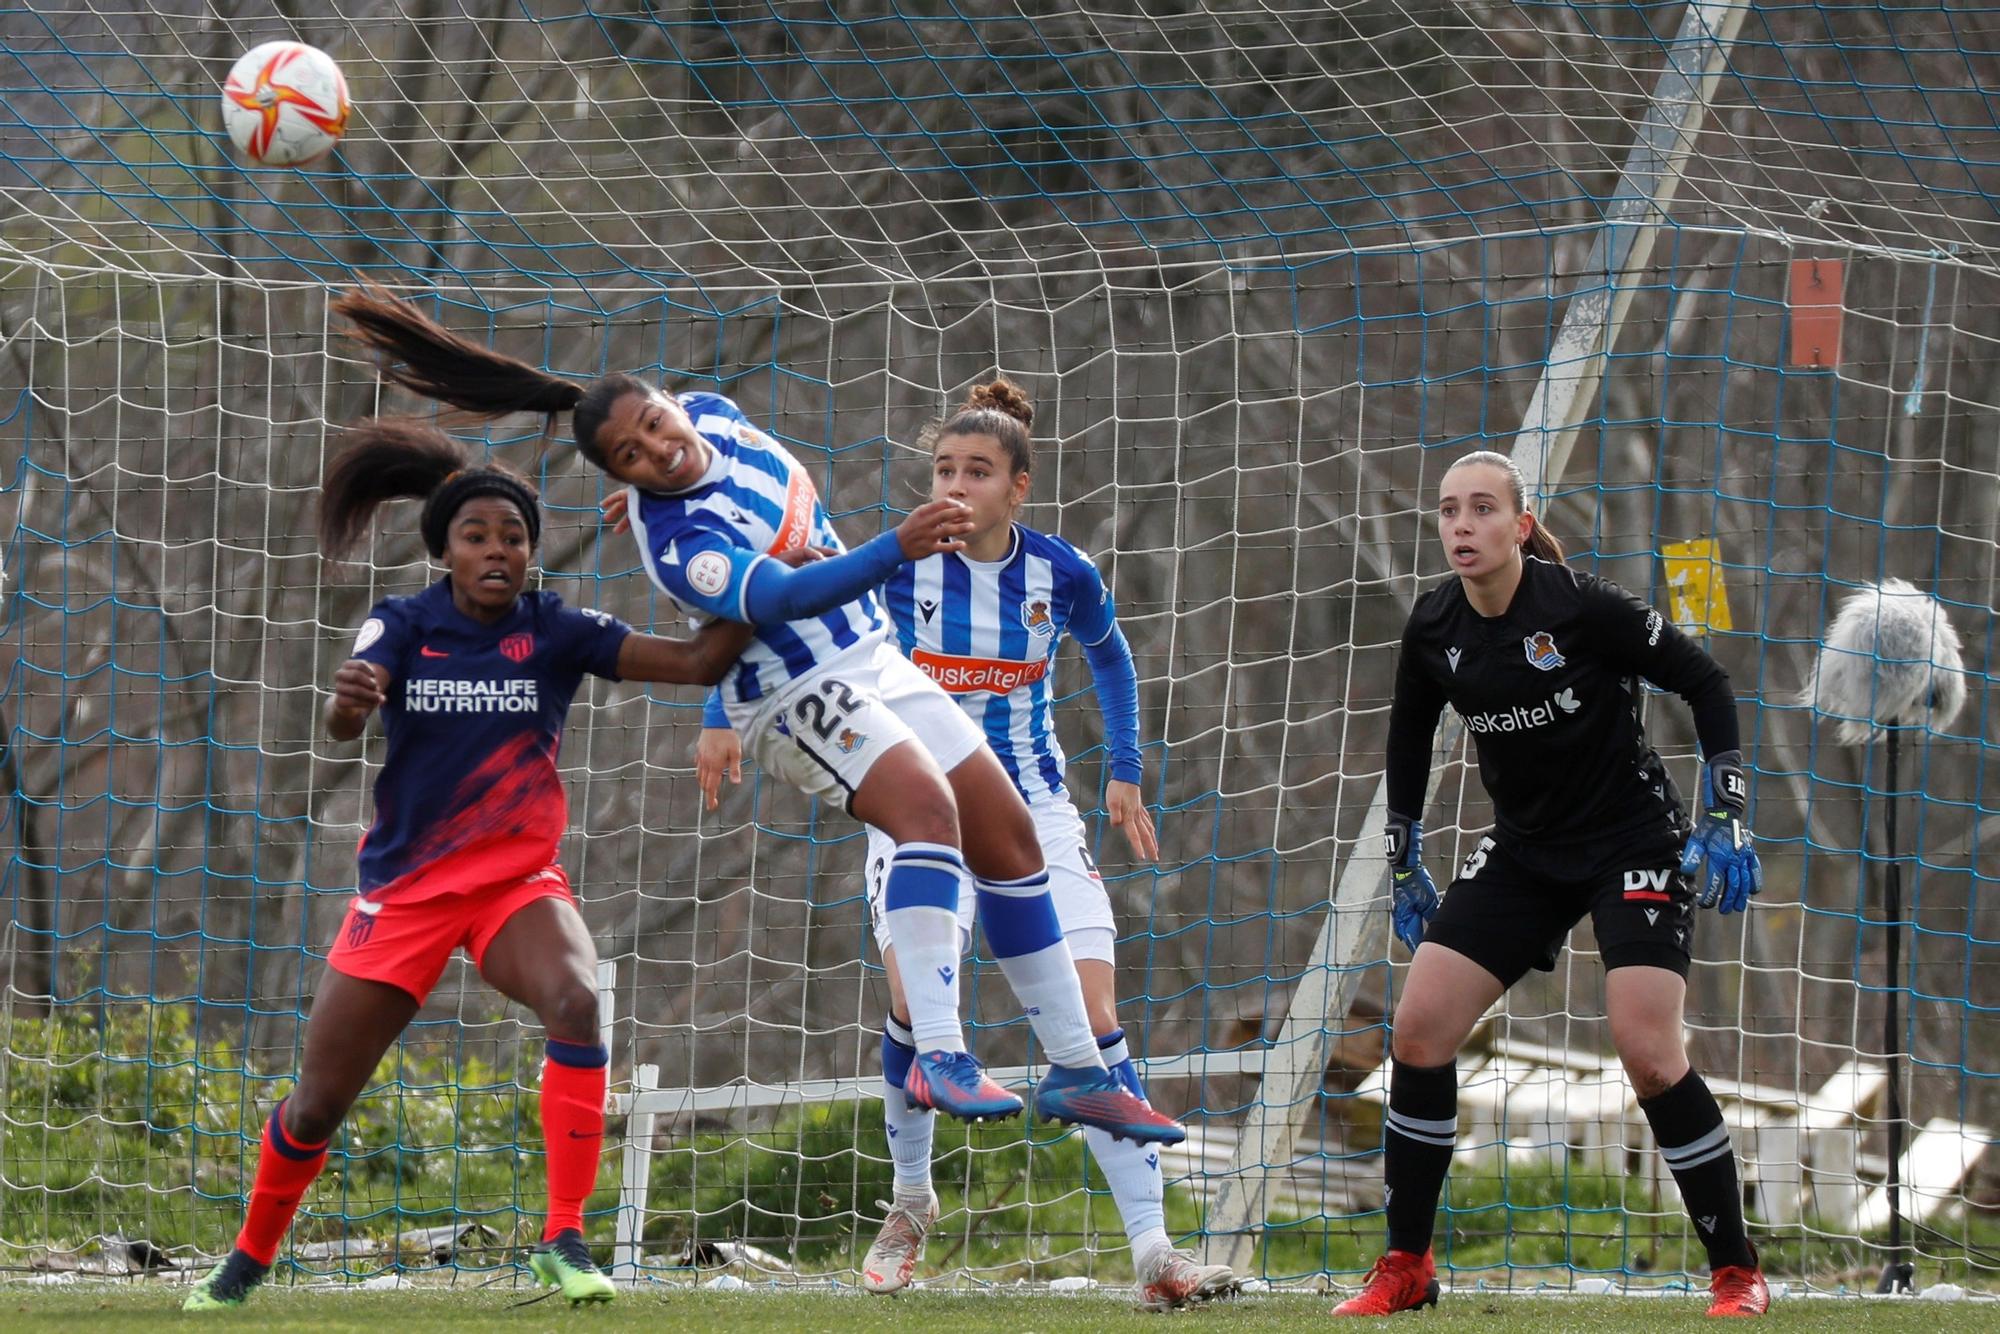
[
  {"x": 395, "y": 458},
  {"x": 422, "y": 355},
  {"x": 1541, "y": 543}
]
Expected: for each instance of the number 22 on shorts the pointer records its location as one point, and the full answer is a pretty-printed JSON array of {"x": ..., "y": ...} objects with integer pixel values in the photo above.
[{"x": 826, "y": 710}]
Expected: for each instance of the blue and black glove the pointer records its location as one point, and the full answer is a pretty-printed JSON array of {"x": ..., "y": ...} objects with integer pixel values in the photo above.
[
  {"x": 1411, "y": 886},
  {"x": 1722, "y": 838}
]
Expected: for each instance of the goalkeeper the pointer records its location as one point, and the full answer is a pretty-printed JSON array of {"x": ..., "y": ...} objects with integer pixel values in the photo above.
[{"x": 1543, "y": 664}]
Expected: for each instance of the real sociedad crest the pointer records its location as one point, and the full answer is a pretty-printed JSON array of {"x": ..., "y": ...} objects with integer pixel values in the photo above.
[
  {"x": 1035, "y": 616},
  {"x": 1541, "y": 649}
]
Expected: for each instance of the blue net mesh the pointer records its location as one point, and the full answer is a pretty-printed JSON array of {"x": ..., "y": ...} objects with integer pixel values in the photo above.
[{"x": 1267, "y": 273}]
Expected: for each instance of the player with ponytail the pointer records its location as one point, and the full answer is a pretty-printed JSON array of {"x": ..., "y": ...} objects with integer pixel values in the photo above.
[
  {"x": 818, "y": 697},
  {"x": 474, "y": 677},
  {"x": 985, "y": 622},
  {"x": 1544, "y": 665}
]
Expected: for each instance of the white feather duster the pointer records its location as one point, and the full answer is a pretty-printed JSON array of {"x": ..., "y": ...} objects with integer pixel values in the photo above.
[{"x": 1891, "y": 659}]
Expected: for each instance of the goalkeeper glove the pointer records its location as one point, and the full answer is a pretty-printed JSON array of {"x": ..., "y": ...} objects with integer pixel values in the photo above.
[
  {"x": 1415, "y": 894},
  {"x": 1722, "y": 838}
]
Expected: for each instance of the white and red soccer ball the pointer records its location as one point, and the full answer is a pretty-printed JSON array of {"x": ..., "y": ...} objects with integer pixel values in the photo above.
[{"x": 285, "y": 104}]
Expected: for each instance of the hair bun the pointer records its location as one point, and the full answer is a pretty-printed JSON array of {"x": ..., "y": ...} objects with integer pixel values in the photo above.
[{"x": 1004, "y": 396}]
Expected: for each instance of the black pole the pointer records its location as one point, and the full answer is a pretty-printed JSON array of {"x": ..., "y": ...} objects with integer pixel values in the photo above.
[{"x": 1897, "y": 1275}]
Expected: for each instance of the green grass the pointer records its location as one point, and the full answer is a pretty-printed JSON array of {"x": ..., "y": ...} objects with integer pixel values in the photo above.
[
  {"x": 115, "y": 1119},
  {"x": 81, "y": 1310}
]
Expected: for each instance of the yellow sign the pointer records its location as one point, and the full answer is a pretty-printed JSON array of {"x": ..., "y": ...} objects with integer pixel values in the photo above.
[{"x": 1694, "y": 582}]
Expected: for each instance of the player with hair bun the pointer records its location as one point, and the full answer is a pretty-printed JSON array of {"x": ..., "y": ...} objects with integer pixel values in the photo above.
[
  {"x": 984, "y": 622},
  {"x": 1543, "y": 664},
  {"x": 474, "y": 677},
  {"x": 818, "y": 696}
]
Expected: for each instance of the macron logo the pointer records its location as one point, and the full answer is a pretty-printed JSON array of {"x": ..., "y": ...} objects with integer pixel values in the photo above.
[{"x": 1520, "y": 719}]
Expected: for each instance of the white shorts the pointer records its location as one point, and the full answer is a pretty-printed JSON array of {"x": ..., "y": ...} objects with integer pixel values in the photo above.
[
  {"x": 824, "y": 732},
  {"x": 1083, "y": 907}
]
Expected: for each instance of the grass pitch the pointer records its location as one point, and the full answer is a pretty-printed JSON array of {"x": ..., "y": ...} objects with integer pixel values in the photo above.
[{"x": 80, "y": 1309}]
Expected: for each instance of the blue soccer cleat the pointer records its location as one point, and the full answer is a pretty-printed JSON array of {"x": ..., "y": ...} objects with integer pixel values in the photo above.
[
  {"x": 1092, "y": 1096},
  {"x": 954, "y": 1083}
]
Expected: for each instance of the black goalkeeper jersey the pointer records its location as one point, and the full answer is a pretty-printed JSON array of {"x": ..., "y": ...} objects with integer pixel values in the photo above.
[{"x": 1550, "y": 691}]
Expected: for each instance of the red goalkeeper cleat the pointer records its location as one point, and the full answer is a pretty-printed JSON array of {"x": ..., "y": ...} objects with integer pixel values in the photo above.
[
  {"x": 1740, "y": 1290},
  {"x": 1400, "y": 1281}
]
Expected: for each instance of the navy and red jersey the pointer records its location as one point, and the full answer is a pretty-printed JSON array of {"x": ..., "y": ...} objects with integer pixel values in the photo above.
[
  {"x": 474, "y": 717},
  {"x": 1549, "y": 690}
]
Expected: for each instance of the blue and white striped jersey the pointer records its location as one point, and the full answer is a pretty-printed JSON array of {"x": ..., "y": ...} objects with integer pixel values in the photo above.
[
  {"x": 700, "y": 546},
  {"x": 988, "y": 631}
]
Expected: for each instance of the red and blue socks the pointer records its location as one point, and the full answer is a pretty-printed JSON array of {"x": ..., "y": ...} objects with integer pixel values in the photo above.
[
  {"x": 286, "y": 1169},
  {"x": 573, "y": 1083}
]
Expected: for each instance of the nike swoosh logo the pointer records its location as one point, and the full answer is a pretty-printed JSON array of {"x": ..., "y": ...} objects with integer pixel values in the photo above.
[
  {"x": 429, "y": 652},
  {"x": 583, "y": 1134}
]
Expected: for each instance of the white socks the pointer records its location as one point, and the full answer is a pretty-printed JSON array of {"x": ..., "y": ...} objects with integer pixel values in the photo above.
[
  {"x": 1020, "y": 923},
  {"x": 920, "y": 906}
]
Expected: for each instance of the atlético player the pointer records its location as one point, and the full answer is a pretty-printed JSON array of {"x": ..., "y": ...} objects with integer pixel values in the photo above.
[
  {"x": 474, "y": 678},
  {"x": 819, "y": 697},
  {"x": 1543, "y": 663}
]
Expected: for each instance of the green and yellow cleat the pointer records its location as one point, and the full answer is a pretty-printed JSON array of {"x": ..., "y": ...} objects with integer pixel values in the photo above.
[
  {"x": 226, "y": 1285},
  {"x": 564, "y": 1262}
]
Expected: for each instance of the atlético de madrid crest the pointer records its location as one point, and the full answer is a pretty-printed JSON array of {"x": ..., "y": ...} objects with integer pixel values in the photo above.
[
  {"x": 1542, "y": 651},
  {"x": 517, "y": 648}
]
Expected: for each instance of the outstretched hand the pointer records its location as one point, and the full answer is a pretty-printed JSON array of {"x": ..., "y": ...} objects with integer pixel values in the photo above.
[{"x": 937, "y": 525}]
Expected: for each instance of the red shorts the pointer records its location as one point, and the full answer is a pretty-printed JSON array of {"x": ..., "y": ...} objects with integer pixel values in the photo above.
[{"x": 408, "y": 944}]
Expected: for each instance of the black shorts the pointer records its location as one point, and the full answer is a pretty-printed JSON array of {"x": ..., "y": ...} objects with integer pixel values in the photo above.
[{"x": 1508, "y": 917}]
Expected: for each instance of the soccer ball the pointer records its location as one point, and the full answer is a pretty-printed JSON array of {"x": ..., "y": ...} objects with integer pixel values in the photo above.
[{"x": 285, "y": 104}]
